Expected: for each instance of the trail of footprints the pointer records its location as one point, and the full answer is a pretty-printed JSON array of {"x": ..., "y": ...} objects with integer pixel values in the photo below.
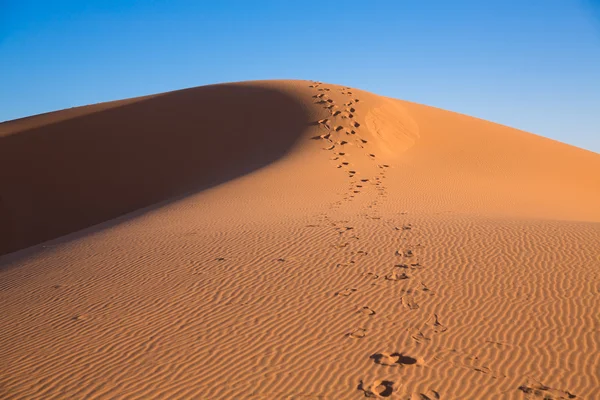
[{"x": 340, "y": 131}]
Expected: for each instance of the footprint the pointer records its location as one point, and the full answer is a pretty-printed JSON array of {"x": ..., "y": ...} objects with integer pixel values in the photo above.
[
  {"x": 419, "y": 337},
  {"x": 393, "y": 359},
  {"x": 371, "y": 275},
  {"x": 409, "y": 303},
  {"x": 325, "y": 136},
  {"x": 428, "y": 395},
  {"x": 367, "y": 311},
  {"x": 357, "y": 333},
  {"x": 345, "y": 292},
  {"x": 545, "y": 392},
  {"x": 435, "y": 324},
  {"x": 329, "y": 148},
  {"x": 377, "y": 389},
  {"x": 394, "y": 276},
  {"x": 403, "y": 266},
  {"x": 355, "y": 124}
]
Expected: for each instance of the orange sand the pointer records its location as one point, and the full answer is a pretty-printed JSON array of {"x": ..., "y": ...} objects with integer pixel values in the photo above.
[{"x": 294, "y": 240}]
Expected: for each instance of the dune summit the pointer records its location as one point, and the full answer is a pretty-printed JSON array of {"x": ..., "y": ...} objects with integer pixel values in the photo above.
[{"x": 294, "y": 239}]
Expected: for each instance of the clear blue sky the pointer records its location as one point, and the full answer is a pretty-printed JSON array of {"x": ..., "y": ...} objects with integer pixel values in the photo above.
[{"x": 530, "y": 64}]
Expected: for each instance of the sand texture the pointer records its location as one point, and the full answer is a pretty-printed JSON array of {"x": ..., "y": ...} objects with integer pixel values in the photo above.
[{"x": 294, "y": 240}]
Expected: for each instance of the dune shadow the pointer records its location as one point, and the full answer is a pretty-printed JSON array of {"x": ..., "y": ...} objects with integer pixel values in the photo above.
[{"x": 76, "y": 172}]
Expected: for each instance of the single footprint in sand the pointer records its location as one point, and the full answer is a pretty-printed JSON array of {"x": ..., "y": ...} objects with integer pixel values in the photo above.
[
  {"x": 345, "y": 292},
  {"x": 367, "y": 311},
  {"x": 393, "y": 359},
  {"x": 409, "y": 303},
  {"x": 419, "y": 337},
  {"x": 371, "y": 275},
  {"x": 428, "y": 395},
  {"x": 406, "y": 253},
  {"x": 325, "y": 136},
  {"x": 329, "y": 148},
  {"x": 357, "y": 333},
  {"x": 377, "y": 389},
  {"x": 394, "y": 276},
  {"x": 355, "y": 124},
  {"x": 435, "y": 324},
  {"x": 544, "y": 392}
]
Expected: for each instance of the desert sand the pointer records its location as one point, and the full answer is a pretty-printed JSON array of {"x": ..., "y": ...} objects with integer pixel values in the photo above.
[{"x": 294, "y": 240}]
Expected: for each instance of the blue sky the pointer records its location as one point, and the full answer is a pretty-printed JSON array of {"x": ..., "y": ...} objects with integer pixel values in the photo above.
[{"x": 530, "y": 64}]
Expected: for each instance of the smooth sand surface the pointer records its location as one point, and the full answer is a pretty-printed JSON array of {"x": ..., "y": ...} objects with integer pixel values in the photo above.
[{"x": 294, "y": 240}]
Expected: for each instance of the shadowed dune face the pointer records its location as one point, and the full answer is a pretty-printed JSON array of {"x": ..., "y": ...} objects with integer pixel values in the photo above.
[{"x": 66, "y": 171}]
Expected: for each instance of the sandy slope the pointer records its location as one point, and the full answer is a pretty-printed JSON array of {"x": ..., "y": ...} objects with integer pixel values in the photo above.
[{"x": 294, "y": 240}]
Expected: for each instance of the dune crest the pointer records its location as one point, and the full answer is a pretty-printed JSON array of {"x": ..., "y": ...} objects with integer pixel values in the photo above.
[{"x": 294, "y": 239}]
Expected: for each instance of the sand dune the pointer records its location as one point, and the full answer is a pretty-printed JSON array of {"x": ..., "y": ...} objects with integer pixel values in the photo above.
[{"x": 294, "y": 240}]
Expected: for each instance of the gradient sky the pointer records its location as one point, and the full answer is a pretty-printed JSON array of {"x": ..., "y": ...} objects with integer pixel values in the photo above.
[{"x": 529, "y": 64}]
